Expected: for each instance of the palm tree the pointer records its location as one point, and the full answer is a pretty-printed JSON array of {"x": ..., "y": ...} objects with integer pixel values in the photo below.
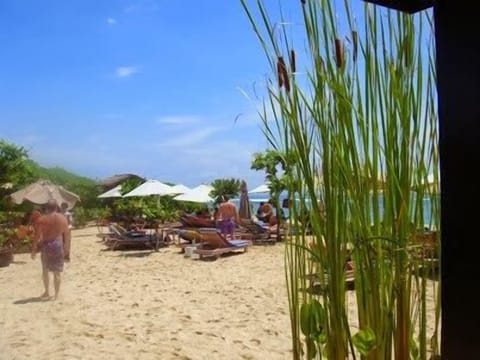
[
  {"x": 225, "y": 187},
  {"x": 276, "y": 165}
]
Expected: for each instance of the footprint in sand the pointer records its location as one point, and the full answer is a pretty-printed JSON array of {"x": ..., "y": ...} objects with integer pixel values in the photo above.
[
  {"x": 214, "y": 321},
  {"x": 256, "y": 341}
]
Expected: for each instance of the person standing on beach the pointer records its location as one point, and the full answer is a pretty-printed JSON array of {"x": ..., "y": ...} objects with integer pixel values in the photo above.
[
  {"x": 66, "y": 244},
  {"x": 51, "y": 232},
  {"x": 227, "y": 218}
]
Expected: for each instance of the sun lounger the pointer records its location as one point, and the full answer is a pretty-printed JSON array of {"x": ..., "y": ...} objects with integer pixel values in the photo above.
[
  {"x": 318, "y": 287},
  {"x": 425, "y": 245},
  {"x": 258, "y": 233},
  {"x": 187, "y": 238},
  {"x": 120, "y": 238},
  {"x": 214, "y": 244},
  {"x": 191, "y": 221}
]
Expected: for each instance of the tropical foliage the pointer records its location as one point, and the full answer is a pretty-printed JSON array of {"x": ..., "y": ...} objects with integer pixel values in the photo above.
[
  {"x": 277, "y": 166},
  {"x": 14, "y": 168},
  {"x": 225, "y": 187}
]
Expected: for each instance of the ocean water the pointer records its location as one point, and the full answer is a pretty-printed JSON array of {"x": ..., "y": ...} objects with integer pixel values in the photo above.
[{"x": 256, "y": 199}]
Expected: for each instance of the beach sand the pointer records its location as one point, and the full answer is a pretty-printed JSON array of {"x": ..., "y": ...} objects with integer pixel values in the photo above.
[
  {"x": 151, "y": 305},
  {"x": 147, "y": 305}
]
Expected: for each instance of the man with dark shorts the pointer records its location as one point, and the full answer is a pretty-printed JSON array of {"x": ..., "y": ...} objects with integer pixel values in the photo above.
[
  {"x": 51, "y": 232},
  {"x": 227, "y": 217}
]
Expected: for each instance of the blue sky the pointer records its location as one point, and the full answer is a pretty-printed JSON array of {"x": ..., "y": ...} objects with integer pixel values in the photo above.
[{"x": 149, "y": 87}]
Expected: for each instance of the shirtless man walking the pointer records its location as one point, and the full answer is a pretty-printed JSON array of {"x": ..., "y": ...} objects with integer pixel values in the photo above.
[
  {"x": 51, "y": 231},
  {"x": 227, "y": 217}
]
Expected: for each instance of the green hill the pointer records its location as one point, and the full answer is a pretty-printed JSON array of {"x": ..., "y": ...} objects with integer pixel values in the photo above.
[{"x": 84, "y": 187}]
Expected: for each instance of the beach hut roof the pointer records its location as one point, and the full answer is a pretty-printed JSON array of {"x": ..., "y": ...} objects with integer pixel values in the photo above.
[{"x": 115, "y": 180}]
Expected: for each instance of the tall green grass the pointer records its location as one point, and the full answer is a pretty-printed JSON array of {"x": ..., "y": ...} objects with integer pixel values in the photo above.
[{"x": 351, "y": 98}]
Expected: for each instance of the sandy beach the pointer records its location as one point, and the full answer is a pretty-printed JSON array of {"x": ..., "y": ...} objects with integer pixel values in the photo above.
[
  {"x": 147, "y": 305},
  {"x": 151, "y": 305}
]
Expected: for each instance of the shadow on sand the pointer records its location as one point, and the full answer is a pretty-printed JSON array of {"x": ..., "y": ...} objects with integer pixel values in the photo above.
[
  {"x": 137, "y": 254},
  {"x": 32, "y": 300}
]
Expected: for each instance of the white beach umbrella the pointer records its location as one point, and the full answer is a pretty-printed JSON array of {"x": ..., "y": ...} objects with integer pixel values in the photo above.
[
  {"x": 199, "y": 194},
  {"x": 112, "y": 193},
  {"x": 151, "y": 187},
  {"x": 260, "y": 189},
  {"x": 180, "y": 189}
]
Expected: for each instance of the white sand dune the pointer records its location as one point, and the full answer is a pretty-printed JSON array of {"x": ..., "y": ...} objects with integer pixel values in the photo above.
[{"x": 147, "y": 305}]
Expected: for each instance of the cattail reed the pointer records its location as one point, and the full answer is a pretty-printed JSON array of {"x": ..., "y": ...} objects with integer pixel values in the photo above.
[
  {"x": 338, "y": 53},
  {"x": 378, "y": 105},
  {"x": 355, "y": 45},
  {"x": 406, "y": 53},
  {"x": 293, "y": 65},
  {"x": 282, "y": 69},
  {"x": 279, "y": 74}
]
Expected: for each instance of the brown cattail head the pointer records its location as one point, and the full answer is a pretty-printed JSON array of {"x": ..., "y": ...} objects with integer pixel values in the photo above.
[
  {"x": 279, "y": 74},
  {"x": 284, "y": 75},
  {"x": 293, "y": 65},
  {"x": 339, "y": 52},
  {"x": 355, "y": 45},
  {"x": 406, "y": 52}
]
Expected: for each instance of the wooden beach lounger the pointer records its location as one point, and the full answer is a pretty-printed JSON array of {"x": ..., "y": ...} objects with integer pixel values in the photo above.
[
  {"x": 214, "y": 244},
  {"x": 119, "y": 239},
  {"x": 259, "y": 234}
]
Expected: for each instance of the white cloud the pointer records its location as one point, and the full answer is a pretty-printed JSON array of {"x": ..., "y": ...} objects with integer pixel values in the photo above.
[
  {"x": 111, "y": 21},
  {"x": 178, "y": 120},
  {"x": 187, "y": 139},
  {"x": 213, "y": 160},
  {"x": 126, "y": 71}
]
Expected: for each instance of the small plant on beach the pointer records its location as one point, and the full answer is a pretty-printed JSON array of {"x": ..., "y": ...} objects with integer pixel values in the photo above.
[{"x": 352, "y": 100}]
